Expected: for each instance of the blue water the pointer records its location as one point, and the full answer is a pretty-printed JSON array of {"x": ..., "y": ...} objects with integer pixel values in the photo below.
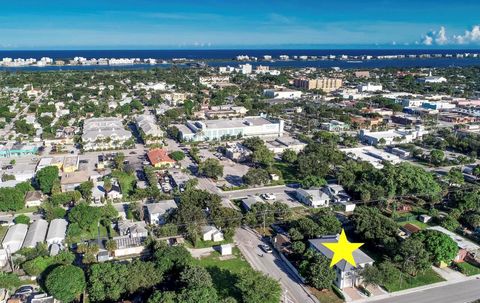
[{"x": 224, "y": 57}]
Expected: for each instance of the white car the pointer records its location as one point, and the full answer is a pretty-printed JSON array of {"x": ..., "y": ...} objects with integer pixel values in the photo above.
[{"x": 268, "y": 196}]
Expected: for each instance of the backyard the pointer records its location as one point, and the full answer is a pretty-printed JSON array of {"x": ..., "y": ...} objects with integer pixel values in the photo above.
[{"x": 224, "y": 271}]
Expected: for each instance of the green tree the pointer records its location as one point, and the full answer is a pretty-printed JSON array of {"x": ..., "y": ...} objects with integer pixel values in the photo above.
[
  {"x": 85, "y": 216},
  {"x": 11, "y": 199},
  {"x": 289, "y": 156},
  {"x": 413, "y": 257},
  {"x": 256, "y": 176},
  {"x": 437, "y": 157},
  {"x": 22, "y": 219},
  {"x": 374, "y": 227},
  {"x": 263, "y": 156},
  {"x": 256, "y": 287},
  {"x": 455, "y": 176},
  {"x": 196, "y": 277},
  {"x": 107, "y": 185},
  {"x": 316, "y": 270},
  {"x": 450, "y": 223},
  {"x": 119, "y": 160},
  {"x": 313, "y": 181},
  {"x": 380, "y": 274},
  {"x": 163, "y": 297},
  {"x": 211, "y": 168},
  {"x": 440, "y": 246},
  {"x": 65, "y": 282},
  {"x": 106, "y": 281},
  {"x": 46, "y": 177},
  {"x": 85, "y": 189},
  {"x": 177, "y": 155}
]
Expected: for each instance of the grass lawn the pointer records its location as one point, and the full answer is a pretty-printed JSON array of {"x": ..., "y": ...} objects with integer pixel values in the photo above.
[
  {"x": 90, "y": 235},
  {"x": 406, "y": 281},
  {"x": 126, "y": 181},
  {"x": 415, "y": 222},
  {"x": 325, "y": 296},
  {"x": 224, "y": 272},
  {"x": 468, "y": 269},
  {"x": 288, "y": 172},
  {"x": 27, "y": 210},
  {"x": 3, "y": 231},
  {"x": 205, "y": 244}
]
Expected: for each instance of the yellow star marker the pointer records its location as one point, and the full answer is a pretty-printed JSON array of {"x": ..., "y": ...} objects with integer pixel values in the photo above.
[{"x": 342, "y": 250}]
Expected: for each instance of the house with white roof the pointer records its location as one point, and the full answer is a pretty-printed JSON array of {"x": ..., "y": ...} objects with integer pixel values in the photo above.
[
  {"x": 157, "y": 212},
  {"x": 312, "y": 197}
]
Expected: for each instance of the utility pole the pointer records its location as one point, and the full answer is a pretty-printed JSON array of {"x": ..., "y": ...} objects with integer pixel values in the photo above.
[{"x": 264, "y": 232}]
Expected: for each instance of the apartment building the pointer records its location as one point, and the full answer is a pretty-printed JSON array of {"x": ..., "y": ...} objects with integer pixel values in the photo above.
[
  {"x": 325, "y": 84},
  {"x": 104, "y": 133}
]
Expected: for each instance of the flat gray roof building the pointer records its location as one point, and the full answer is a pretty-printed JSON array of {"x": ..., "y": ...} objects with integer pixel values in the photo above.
[
  {"x": 14, "y": 238},
  {"x": 57, "y": 231},
  {"x": 36, "y": 233}
]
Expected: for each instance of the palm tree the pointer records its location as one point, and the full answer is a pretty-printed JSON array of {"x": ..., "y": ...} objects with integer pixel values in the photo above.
[{"x": 111, "y": 246}]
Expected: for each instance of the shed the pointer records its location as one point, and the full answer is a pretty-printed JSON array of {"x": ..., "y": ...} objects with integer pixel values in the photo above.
[
  {"x": 424, "y": 218},
  {"x": 226, "y": 249},
  {"x": 57, "y": 231},
  {"x": 211, "y": 233},
  {"x": 14, "y": 238},
  {"x": 36, "y": 233}
]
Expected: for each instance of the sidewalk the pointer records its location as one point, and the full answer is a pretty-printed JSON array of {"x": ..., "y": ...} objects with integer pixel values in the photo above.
[{"x": 417, "y": 289}]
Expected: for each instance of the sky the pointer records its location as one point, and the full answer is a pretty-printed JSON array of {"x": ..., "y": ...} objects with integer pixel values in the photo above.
[{"x": 188, "y": 24}]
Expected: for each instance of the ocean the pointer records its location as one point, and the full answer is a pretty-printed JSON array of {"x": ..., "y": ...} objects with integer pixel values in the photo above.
[{"x": 225, "y": 57}]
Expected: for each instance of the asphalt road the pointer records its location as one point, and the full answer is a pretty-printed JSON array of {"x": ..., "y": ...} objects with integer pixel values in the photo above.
[
  {"x": 463, "y": 292},
  {"x": 273, "y": 266}
]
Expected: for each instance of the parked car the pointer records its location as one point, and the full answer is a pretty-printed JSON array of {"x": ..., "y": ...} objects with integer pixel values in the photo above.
[
  {"x": 24, "y": 290},
  {"x": 268, "y": 196},
  {"x": 266, "y": 248}
]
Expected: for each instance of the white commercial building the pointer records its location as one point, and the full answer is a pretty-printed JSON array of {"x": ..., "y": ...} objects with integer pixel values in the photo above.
[
  {"x": 282, "y": 93},
  {"x": 370, "y": 87},
  {"x": 256, "y": 126},
  {"x": 279, "y": 145},
  {"x": 371, "y": 155},
  {"x": 392, "y": 136}
]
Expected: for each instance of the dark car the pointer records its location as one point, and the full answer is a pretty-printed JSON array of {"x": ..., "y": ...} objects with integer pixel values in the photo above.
[
  {"x": 133, "y": 153},
  {"x": 24, "y": 290}
]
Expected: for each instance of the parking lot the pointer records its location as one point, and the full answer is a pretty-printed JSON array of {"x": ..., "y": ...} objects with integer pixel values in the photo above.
[{"x": 232, "y": 171}]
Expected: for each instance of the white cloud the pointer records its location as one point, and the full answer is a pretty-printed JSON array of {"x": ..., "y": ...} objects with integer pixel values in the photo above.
[
  {"x": 436, "y": 37},
  {"x": 472, "y": 36},
  {"x": 440, "y": 37}
]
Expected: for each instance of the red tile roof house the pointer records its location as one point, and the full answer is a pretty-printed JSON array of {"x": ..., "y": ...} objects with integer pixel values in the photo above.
[{"x": 159, "y": 158}]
